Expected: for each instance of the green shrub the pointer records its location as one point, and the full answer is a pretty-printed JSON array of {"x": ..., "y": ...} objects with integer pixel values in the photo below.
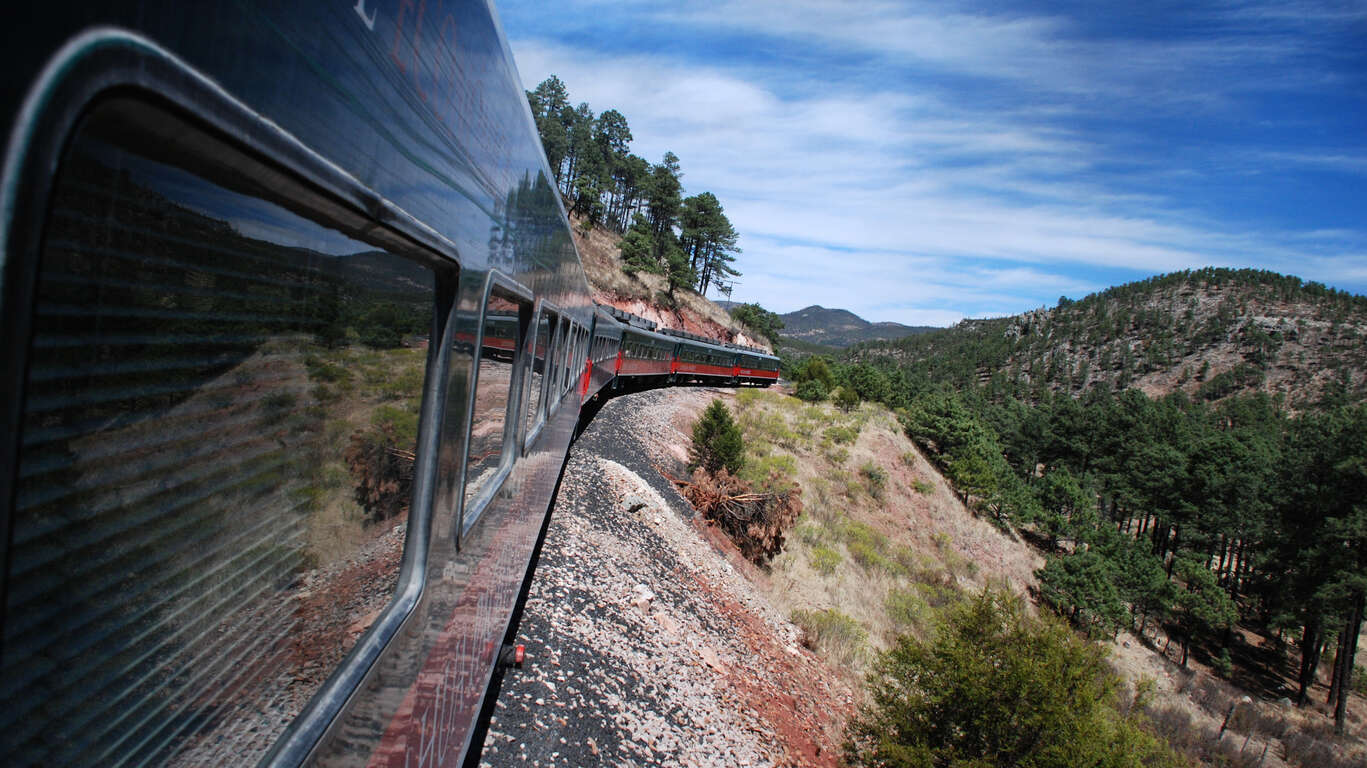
[
  {"x": 809, "y": 534},
  {"x": 871, "y": 558},
  {"x": 769, "y": 473},
  {"x": 1223, "y": 664},
  {"x": 403, "y": 423},
  {"x": 843, "y": 435},
  {"x": 325, "y": 371},
  {"x": 876, "y": 478},
  {"x": 997, "y": 687},
  {"x": 717, "y": 442},
  {"x": 817, "y": 369},
  {"x": 922, "y": 487},
  {"x": 906, "y": 608},
  {"x": 824, "y": 559},
  {"x": 869, "y": 548},
  {"x": 832, "y": 633},
  {"x": 812, "y": 391},
  {"x": 845, "y": 399}
]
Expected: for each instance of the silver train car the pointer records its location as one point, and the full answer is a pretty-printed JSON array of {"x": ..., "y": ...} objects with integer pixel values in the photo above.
[{"x": 295, "y": 341}]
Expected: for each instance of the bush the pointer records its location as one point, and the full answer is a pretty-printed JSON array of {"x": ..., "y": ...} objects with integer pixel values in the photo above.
[
  {"x": 717, "y": 442},
  {"x": 842, "y": 435},
  {"x": 876, "y": 478},
  {"x": 815, "y": 369},
  {"x": 832, "y": 633},
  {"x": 824, "y": 559},
  {"x": 906, "y": 608},
  {"x": 812, "y": 390},
  {"x": 845, "y": 399},
  {"x": 1223, "y": 664},
  {"x": 997, "y": 687}
]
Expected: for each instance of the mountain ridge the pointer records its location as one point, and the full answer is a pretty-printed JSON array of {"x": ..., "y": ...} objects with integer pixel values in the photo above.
[
  {"x": 1210, "y": 333},
  {"x": 840, "y": 327}
]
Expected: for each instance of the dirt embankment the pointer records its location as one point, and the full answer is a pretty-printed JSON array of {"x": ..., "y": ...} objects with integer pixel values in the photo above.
[{"x": 645, "y": 295}]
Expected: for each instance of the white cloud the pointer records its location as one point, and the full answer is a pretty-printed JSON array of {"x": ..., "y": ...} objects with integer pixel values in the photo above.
[{"x": 909, "y": 203}]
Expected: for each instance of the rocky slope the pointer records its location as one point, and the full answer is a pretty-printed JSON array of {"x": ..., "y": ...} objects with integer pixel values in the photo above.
[{"x": 644, "y": 295}]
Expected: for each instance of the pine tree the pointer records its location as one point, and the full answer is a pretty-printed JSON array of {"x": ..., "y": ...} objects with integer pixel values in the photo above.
[{"x": 717, "y": 441}]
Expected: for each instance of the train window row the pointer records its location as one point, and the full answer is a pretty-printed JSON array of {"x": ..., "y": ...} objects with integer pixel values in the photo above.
[
  {"x": 705, "y": 356},
  {"x": 644, "y": 351},
  {"x": 228, "y": 377}
]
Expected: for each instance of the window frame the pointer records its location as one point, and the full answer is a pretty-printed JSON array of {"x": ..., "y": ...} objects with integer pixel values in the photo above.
[
  {"x": 469, "y": 511},
  {"x": 106, "y": 61},
  {"x": 544, "y": 310}
]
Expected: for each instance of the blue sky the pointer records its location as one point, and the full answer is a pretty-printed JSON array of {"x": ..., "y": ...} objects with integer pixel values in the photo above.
[{"x": 923, "y": 163}]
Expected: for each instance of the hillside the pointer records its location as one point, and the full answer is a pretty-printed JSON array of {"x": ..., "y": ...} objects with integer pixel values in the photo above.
[
  {"x": 1210, "y": 333},
  {"x": 644, "y": 294},
  {"x": 840, "y": 327}
]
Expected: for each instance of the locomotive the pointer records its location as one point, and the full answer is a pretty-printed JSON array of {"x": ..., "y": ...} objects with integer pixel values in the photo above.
[{"x": 296, "y": 340}]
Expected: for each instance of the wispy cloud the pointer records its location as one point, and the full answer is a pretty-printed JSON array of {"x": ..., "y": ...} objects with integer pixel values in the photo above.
[{"x": 909, "y": 163}]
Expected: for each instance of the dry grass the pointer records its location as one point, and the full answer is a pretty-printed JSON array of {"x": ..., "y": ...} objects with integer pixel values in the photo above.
[{"x": 882, "y": 541}]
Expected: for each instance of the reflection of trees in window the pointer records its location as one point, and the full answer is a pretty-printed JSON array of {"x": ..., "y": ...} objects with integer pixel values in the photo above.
[
  {"x": 493, "y": 390},
  {"x": 537, "y": 370},
  {"x": 190, "y": 541}
]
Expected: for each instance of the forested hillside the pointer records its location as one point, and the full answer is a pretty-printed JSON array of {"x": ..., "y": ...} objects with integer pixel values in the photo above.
[
  {"x": 1227, "y": 505},
  {"x": 1210, "y": 333}
]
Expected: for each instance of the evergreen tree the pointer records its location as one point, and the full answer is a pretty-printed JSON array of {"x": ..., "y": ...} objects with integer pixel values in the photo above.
[
  {"x": 765, "y": 323},
  {"x": 717, "y": 442},
  {"x": 638, "y": 248}
]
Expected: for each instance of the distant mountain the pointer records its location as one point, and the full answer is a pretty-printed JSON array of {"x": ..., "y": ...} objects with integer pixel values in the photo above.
[
  {"x": 1209, "y": 332},
  {"x": 840, "y": 327}
]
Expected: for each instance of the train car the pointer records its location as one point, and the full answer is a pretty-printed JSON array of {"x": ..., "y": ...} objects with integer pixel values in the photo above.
[
  {"x": 292, "y": 322},
  {"x": 646, "y": 358},
  {"x": 605, "y": 341},
  {"x": 756, "y": 368},
  {"x": 296, "y": 339},
  {"x": 702, "y": 360}
]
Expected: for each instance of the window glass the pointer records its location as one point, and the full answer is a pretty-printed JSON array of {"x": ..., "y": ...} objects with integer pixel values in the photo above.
[
  {"x": 218, "y": 440},
  {"x": 537, "y": 370},
  {"x": 493, "y": 390},
  {"x": 565, "y": 350}
]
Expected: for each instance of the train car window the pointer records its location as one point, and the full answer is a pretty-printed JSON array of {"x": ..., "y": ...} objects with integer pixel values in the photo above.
[
  {"x": 219, "y": 440},
  {"x": 562, "y": 372},
  {"x": 553, "y": 364},
  {"x": 492, "y": 403},
  {"x": 539, "y": 341}
]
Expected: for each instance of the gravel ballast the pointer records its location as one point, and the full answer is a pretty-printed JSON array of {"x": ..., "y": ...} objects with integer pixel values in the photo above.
[{"x": 645, "y": 644}]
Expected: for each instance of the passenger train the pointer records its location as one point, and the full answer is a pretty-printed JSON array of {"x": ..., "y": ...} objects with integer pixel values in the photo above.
[{"x": 295, "y": 341}]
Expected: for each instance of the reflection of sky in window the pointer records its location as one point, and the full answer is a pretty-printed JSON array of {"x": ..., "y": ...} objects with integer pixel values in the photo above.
[{"x": 250, "y": 216}]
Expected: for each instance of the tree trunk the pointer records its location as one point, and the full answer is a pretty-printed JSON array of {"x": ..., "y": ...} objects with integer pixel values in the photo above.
[
  {"x": 1336, "y": 669},
  {"x": 1310, "y": 643},
  {"x": 1351, "y": 631}
]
